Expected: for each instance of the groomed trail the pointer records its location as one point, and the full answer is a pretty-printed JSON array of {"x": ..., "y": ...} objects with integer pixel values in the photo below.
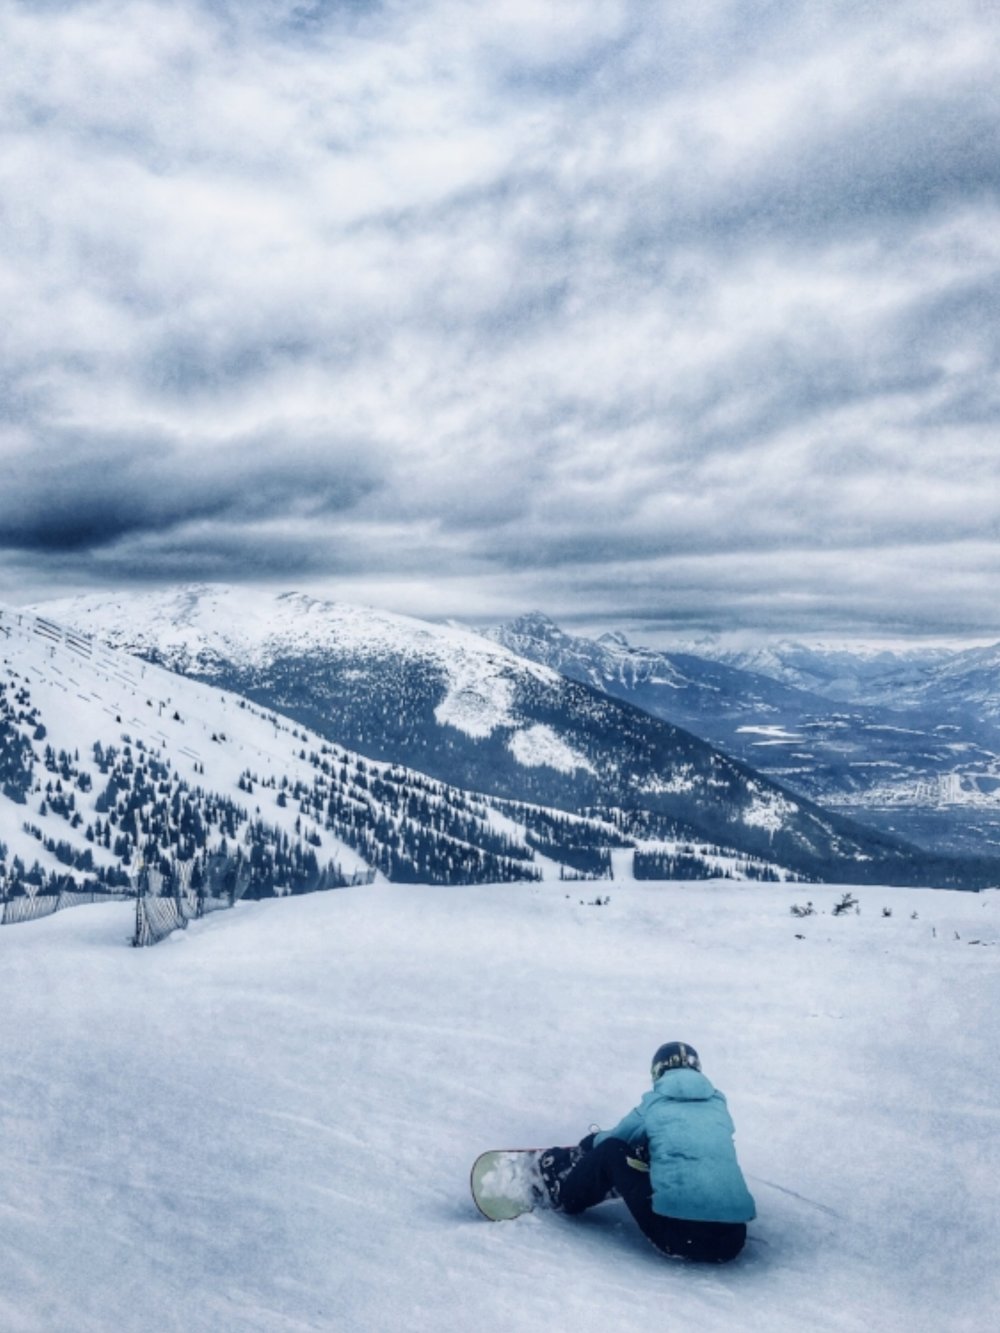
[{"x": 265, "y": 1125}]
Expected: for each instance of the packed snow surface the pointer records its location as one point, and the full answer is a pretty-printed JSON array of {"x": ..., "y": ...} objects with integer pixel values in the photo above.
[{"x": 266, "y": 1125}]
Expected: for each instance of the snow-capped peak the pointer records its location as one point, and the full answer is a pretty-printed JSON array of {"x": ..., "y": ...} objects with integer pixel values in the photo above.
[{"x": 199, "y": 626}]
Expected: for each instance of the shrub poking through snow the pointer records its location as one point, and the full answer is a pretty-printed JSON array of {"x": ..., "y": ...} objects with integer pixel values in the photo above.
[{"x": 848, "y": 903}]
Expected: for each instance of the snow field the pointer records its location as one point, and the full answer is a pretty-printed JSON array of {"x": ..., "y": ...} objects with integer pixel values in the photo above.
[{"x": 267, "y": 1123}]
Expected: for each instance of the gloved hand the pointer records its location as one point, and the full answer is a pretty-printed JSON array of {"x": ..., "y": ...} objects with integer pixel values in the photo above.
[{"x": 587, "y": 1142}]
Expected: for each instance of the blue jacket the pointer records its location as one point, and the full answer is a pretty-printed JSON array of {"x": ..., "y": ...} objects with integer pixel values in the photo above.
[{"x": 692, "y": 1161}]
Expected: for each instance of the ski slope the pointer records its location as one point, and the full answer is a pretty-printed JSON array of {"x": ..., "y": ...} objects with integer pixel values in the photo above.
[{"x": 266, "y": 1125}]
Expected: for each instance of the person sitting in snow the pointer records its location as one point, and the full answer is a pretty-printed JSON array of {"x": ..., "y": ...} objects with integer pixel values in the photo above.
[{"x": 671, "y": 1160}]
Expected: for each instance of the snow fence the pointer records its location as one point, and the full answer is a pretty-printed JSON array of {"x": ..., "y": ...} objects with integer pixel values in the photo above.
[
  {"x": 164, "y": 905},
  {"x": 30, "y": 907}
]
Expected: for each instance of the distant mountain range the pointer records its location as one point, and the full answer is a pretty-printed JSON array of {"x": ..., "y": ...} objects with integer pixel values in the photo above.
[
  {"x": 475, "y": 714},
  {"x": 847, "y": 675},
  {"x": 921, "y": 757},
  {"x": 963, "y": 683}
]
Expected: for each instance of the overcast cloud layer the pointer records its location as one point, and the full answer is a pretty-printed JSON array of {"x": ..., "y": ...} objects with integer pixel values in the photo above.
[{"x": 667, "y": 315}]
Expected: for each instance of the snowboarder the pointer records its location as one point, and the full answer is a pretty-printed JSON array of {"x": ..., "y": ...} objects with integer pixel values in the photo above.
[{"x": 671, "y": 1160}]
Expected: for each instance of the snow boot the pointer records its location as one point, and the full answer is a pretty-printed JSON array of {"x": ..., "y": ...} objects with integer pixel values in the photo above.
[{"x": 554, "y": 1165}]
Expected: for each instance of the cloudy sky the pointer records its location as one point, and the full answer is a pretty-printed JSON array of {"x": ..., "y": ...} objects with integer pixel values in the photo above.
[{"x": 672, "y": 316}]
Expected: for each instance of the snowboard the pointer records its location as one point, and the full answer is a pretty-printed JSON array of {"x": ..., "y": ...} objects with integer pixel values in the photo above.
[{"x": 507, "y": 1182}]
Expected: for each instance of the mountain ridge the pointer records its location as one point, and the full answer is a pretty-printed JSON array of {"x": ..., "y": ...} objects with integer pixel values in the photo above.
[
  {"x": 462, "y": 710},
  {"x": 112, "y": 765}
]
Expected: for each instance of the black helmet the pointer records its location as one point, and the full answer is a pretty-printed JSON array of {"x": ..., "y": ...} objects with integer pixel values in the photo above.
[{"x": 674, "y": 1055}]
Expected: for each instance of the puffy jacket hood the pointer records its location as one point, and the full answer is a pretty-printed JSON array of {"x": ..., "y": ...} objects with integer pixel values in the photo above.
[{"x": 684, "y": 1085}]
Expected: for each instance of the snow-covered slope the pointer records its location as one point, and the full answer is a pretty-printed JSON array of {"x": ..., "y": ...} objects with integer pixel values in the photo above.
[
  {"x": 78, "y": 714},
  {"x": 108, "y": 762},
  {"x": 478, "y": 716},
  {"x": 266, "y": 1125}
]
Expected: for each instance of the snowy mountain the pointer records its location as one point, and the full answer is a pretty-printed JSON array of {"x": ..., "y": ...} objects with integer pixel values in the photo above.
[
  {"x": 963, "y": 683},
  {"x": 267, "y": 1127},
  {"x": 856, "y": 675},
  {"x": 108, "y": 763},
  {"x": 927, "y": 768},
  {"x": 710, "y": 697},
  {"x": 475, "y": 715},
  {"x": 962, "y": 686}
]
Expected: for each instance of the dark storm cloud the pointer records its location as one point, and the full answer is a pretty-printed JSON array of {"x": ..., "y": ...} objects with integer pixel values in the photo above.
[
  {"x": 616, "y": 308},
  {"x": 85, "y": 495}
]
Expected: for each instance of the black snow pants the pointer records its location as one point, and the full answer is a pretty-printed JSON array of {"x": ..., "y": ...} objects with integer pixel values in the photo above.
[{"x": 606, "y": 1168}]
